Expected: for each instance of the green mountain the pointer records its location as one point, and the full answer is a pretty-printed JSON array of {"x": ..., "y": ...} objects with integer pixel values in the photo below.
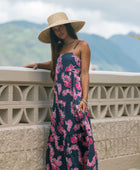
[
  {"x": 19, "y": 46},
  {"x": 109, "y": 55},
  {"x": 131, "y": 46}
]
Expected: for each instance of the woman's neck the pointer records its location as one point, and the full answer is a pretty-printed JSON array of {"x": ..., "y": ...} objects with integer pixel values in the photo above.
[
  {"x": 68, "y": 44},
  {"x": 68, "y": 40}
]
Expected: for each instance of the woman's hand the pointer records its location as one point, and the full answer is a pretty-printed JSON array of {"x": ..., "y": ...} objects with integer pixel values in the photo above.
[
  {"x": 34, "y": 66},
  {"x": 83, "y": 106},
  {"x": 46, "y": 65}
]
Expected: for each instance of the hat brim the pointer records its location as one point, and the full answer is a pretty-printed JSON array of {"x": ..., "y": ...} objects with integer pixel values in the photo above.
[{"x": 44, "y": 35}]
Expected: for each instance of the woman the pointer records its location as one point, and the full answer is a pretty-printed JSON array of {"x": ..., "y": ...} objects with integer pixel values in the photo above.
[{"x": 70, "y": 143}]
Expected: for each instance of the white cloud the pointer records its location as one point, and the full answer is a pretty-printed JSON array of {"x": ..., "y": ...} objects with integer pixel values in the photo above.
[
  {"x": 102, "y": 17},
  {"x": 4, "y": 6},
  {"x": 96, "y": 23},
  {"x": 35, "y": 11}
]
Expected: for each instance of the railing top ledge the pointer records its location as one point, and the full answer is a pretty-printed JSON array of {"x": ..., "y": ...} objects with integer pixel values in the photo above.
[
  {"x": 24, "y": 75},
  {"x": 115, "y": 73},
  {"x": 12, "y": 68},
  {"x": 28, "y": 75},
  {"x": 113, "y": 77}
]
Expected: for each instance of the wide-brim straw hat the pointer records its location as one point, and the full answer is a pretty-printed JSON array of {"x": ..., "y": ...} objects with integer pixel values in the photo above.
[{"x": 57, "y": 19}]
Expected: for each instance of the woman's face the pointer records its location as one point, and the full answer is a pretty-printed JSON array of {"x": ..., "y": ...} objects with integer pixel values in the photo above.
[{"x": 60, "y": 31}]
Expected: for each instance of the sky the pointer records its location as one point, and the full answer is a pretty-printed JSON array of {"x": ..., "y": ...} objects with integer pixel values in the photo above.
[{"x": 103, "y": 17}]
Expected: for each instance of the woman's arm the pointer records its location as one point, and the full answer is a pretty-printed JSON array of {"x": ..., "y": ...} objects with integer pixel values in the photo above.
[
  {"x": 85, "y": 62},
  {"x": 46, "y": 65}
]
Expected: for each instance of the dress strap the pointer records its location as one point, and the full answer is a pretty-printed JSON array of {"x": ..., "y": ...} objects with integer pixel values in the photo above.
[{"x": 75, "y": 45}]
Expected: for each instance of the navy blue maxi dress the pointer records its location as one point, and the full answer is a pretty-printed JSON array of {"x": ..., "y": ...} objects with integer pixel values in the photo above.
[{"x": 70, "y": 143}]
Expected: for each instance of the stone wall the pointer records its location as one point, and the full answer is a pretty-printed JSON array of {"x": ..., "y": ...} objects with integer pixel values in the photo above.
[{"x": 26, "y": 98}]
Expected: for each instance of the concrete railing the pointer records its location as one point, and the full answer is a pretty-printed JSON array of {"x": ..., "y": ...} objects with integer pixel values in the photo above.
[{"x": 26, "y": 98}]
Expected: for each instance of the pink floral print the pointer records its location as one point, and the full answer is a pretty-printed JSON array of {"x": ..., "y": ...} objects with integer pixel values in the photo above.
[{"x": 70, "y": 143}]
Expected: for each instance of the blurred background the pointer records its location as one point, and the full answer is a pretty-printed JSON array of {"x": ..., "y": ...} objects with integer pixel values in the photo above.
[{"x": 111, "y": 30}]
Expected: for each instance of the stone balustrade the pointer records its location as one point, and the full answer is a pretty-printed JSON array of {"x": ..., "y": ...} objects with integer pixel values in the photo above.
[{"x": 26, "y": 98}]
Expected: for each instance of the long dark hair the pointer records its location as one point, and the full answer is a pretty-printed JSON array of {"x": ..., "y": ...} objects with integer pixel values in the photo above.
[{"x": 57, "y": 44}]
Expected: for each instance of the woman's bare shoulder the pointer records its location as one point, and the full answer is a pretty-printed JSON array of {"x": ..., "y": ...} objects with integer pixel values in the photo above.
[
  {"x": 83, "y": 42},
  {"x": 83, "y": 45}
]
